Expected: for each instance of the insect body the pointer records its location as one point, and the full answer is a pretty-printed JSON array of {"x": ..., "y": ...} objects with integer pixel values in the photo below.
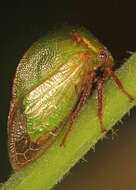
[{"x": 51, "y": 85}]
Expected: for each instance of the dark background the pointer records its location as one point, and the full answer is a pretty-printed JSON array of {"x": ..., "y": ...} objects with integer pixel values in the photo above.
[{"x": 113, "y": 165}]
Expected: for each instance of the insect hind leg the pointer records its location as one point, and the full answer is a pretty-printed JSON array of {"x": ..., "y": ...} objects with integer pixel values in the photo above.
[{"x": 84, "y": 96}]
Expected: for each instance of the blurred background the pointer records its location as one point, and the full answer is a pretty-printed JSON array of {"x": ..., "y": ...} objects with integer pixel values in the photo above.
[{"x": 113, "y": 164}]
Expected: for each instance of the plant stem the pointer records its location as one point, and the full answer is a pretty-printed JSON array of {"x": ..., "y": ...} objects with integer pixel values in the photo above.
[{"x": 46, "y": 171}]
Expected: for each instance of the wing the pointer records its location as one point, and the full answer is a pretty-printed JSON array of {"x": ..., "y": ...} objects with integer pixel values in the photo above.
[{"x": 50, "y": 102}]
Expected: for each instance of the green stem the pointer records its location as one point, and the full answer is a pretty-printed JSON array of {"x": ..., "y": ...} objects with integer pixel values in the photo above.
[{"x": 56, "y": 161}]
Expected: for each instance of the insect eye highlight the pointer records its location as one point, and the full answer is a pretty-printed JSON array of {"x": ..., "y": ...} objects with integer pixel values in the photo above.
[{"x": 103, "y": 56}]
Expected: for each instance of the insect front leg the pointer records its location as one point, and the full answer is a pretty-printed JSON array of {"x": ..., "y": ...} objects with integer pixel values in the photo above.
[
  {"x": 118, "y": 83},
  {"x": 99, "y": 91},
  {"x": 108, "y": 72}
]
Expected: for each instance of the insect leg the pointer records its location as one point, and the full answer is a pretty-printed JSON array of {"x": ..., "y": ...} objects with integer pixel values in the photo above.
[
  {"x": 84, "y": 96},
  {"x": 99, "y": 91},
  {"x": 111, "y": 73}
]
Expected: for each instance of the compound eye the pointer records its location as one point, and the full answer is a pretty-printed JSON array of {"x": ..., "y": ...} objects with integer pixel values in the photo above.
[{"x": 103, "y": 56}]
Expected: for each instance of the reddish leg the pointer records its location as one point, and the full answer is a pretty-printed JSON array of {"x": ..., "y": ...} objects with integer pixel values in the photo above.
[
  {"x": 99, "y": 91},
  {"x": 80, "y": 105},
  {"x": 109, "y": 71}
]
